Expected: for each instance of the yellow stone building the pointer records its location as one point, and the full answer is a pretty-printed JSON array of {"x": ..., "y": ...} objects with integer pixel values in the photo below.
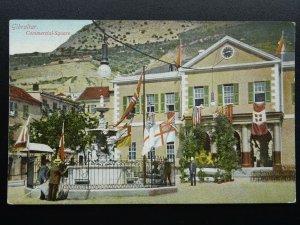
[{"x": 228, "y": 72}]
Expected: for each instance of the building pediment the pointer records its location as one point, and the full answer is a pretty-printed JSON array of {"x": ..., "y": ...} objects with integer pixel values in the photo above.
[{"x": 229, "y": 52}]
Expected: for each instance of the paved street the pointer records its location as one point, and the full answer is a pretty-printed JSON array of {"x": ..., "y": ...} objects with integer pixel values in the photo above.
[{"x": 239, "y": 191}]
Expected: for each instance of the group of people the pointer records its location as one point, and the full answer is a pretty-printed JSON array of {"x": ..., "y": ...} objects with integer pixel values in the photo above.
[{"x": 54, "y": 175}]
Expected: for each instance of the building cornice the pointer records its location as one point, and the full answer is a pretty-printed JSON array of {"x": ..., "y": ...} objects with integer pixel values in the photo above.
[
  {"x": 232, "y": 67},
  {"x": 173, "y": 75}
]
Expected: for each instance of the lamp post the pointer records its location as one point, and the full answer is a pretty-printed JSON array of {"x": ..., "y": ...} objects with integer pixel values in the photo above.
[{"x": 104, "y": 69}]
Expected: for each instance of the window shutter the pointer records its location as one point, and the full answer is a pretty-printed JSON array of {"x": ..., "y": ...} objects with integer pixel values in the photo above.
[
  {"x": 162, "y": 103},
  {"x": 293, "y": 93},
  {"x": 156, "y": 103},
  {"x": 220, "y": 94},
  {"x": 250, "y": 93},
  {"x": 206, "y": 101},
  {"x": 124, "y": 103},
  {"x": 268, "y": 91},
  {"x": 191, "y": 97},
  {"x": 236, "y": 93},
  {"x": 137, "y": 106},
  {"x": 177, "y": 102},
  {"x": 16, "y": 109}
]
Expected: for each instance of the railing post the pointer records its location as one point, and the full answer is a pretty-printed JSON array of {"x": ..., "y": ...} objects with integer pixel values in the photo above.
[{"x": 144, "y": 169}]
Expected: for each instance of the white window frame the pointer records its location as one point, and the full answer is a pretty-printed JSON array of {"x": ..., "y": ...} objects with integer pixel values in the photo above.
[
  {"x": 150, "y": 106},
  {"x": 198, "y": 95},
  {"x": 228, "y": 94},
  {"x": 132, "y": 151},
  {"x": 170, "y": 148},
  {"x": 91, "y": 108},
  {"x": 153, "y": 153},
  {"x": 259, "y": 88},
  {"x": 169, "y": 102}
]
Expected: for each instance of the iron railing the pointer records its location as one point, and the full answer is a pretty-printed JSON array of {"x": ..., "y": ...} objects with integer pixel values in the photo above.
[{"x": 119, "y": 174}]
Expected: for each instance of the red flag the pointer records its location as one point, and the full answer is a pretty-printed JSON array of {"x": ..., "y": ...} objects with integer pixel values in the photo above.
[
  {"x": 281, "y": 46},
  {"x": 178, "y": 62},
  {"x": 196, "y": 116},
  {"x": 23, "y": 139},
  {"x": 132, "y": 103},
  {"x": 228, "y": 112},
  {"x": 61, "y": 151},
  {"x": 259, "y": 119}
]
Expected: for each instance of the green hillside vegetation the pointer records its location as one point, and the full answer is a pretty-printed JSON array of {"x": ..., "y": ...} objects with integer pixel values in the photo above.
[{"x": 157, "y": 38}]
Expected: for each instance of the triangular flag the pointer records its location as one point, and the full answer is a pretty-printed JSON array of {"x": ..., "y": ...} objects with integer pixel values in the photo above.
[
  {"x": 281, "y": 47},
  {"x": 61, "y": 151},
  {"x": 23, "y": 139},
  {"x": 133, "y": 101}
]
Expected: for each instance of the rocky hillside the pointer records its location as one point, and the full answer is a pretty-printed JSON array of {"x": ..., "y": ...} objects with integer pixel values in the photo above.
[{"x": 74, "y": 63}]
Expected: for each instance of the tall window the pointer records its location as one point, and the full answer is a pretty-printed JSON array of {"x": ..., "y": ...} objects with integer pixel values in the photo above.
[
  {"x": 25, "y": 111},
  {"x": 150, "y": 103},
  {"x": 170, "y": 151},
  {"x": 13, "y": 111},
  {"x": 228, "y": 93},
  {"x": 259, "y": 91},
  {"x": 91, "y": 108},
  {"x": 132, "y": 151},
  {"x": 198, "y": 96},
  {"x": 46, "y": 105},
  {"x": 64, "y": 108},
  {"x": 170, "y": 102},
  {"x": 151, "y": 153},
  {"x": 54, "y": 105}
]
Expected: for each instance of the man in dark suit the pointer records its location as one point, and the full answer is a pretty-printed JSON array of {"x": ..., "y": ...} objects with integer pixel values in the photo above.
[
  {"x": 55, "y": 175},
  {"x": 192, "y": 169}
]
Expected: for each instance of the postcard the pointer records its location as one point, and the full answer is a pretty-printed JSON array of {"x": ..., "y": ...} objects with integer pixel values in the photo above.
[{"x": 151, "y": 112}]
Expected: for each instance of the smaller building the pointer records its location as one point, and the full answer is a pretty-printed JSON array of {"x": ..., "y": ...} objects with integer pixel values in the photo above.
[
  {"x": 51, "y": 102},
  {"x": 21, "y": 105},
  {"x": 90, "y": 99}
]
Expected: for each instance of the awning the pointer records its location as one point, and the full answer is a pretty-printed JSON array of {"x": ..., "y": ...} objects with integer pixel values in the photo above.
[
  {"x": 38, "y": 148},
  {"x": 69, "y": 151}
]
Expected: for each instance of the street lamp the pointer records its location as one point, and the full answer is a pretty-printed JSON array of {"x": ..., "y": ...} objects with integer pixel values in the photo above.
[{"x": 104, "y": 69}]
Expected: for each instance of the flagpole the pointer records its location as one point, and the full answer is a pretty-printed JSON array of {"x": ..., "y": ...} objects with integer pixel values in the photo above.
[{"x": 144, "y": 121}]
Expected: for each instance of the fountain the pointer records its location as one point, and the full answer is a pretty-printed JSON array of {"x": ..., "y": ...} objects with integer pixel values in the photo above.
[{"x": 102, "y": 150}]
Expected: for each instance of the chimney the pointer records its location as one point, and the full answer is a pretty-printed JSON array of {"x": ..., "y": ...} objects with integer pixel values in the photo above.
[{"x": 35, "y": 87}]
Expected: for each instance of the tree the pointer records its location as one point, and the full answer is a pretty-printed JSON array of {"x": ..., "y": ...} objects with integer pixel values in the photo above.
[
  {"x": 224, "y": 137},
  {"x": 48, "y": 129},
  {"x": 11, "y": 130},
  {"x": 192, "y": 141}
]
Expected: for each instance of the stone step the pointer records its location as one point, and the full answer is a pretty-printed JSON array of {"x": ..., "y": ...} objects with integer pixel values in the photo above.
[{"x": 15, "y": 183}]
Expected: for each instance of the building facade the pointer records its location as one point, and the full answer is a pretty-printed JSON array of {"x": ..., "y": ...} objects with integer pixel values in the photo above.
[
  {"x": 89, "y": 100},
  {"x": 228, "y": 72}
]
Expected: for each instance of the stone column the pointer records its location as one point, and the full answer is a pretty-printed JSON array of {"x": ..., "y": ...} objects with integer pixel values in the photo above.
[
  {"x": 277, "y": 146},
  {"x": 246, "y": 162}
]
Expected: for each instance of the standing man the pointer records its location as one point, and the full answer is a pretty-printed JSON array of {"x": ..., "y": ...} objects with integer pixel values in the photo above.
[
  {"x": 192, "y": 169},
  {"x": 42, "y": 174},
  {"x": 167, "y": 172},
  {"x": 55, "y": 176}
]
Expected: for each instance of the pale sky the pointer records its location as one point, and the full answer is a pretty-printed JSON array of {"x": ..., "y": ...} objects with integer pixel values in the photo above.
[{"x": 26, "y": 36}]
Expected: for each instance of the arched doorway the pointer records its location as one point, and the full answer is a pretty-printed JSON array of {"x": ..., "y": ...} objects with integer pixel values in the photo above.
[
  {"x": 238, "y": 147},
  {"x": 207, "y": 145},
  {"x": 260, "y": 156}
]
